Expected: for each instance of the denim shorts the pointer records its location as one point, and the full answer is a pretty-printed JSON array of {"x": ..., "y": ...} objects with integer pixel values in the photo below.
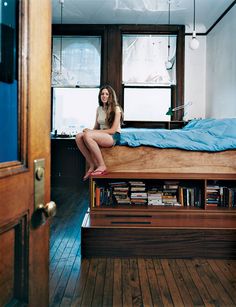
[{"x": 116, "y": 138}]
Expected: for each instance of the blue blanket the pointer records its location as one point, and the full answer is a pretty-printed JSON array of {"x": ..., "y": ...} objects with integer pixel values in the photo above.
[{"x": 199, "y": 134}]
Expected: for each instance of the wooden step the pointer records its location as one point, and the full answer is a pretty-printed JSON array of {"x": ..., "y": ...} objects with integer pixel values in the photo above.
[{"x": 127, "y": 236}]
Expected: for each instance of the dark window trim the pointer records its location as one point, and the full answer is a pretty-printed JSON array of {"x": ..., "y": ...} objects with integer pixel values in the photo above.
[
  {"x": 146, "y": 86},
  {"x": 151, "y": 124},
  {"x": 111, "y": 66},
  {"x": 83, "y": 30},
  {"x": 173, "y": 124},
  {"x": 221, "y": 17},
  {"x": 177, "y": 92}
]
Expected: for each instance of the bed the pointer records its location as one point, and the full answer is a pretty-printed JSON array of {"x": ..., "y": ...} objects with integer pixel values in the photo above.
[
  {"x": 167, "y": 231},
  {"x": 205, "y": 146}
]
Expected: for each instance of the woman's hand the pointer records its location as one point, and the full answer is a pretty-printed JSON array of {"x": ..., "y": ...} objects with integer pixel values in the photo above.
[{"x": 86, "y": 129}]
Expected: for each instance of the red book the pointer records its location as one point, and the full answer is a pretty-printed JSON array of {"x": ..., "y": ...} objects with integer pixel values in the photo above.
[{"x": 97, "y": 196}]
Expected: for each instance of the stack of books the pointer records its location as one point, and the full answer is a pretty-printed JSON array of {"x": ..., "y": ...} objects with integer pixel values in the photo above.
[
  {"x": 120, "y": 191},
  {"x": 213, "y": 196},
  {"x": 155, "y": 196},
  {"x": 138, "y": 194},
  {"x": 169, "y": 194},
  {"x": 220, "y": 196}
]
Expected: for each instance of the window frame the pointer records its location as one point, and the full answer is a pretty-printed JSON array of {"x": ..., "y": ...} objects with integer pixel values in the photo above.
[
  {"x": 76, "y": 38},
  {"x": 143, "y": 123},
  {"x": 177, "y": 91},
  {"x": 111, "y": 61},
  {"x": 72, "y": 30},
  {"x": 83, "y": 30}
]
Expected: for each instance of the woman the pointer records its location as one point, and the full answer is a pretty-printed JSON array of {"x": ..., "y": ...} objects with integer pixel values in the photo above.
[{"x": 105, "y": 133}]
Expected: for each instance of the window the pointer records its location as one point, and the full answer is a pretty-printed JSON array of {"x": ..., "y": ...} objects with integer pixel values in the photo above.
[
  {"x": 145, "y": 58},
  {"x": 76, "y": 74},
  {"x": 148, "y": 76},
  {"x": 9, "y": 102},
  {"x": 76, "y": 61},
  {"x": 132, "y": 57},
  {"x": 146, "y": 104},
  {"x": 74, "y": 109}
]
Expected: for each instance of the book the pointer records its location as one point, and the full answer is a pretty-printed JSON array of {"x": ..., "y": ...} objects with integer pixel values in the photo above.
[
  {"x": 93, "y": 185},
  {"x": 97, "y": 196}
]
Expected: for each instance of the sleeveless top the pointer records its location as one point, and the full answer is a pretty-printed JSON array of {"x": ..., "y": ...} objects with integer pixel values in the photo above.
[{"x": 101, "y": 118}]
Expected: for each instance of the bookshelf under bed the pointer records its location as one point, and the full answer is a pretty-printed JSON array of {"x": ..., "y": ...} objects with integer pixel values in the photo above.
[{"x": 164, "y": 203}]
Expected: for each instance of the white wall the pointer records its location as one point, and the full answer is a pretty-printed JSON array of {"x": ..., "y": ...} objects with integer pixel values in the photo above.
[
  {"x": 221, "y": 68},
  {"x": 195, "y": 78}
]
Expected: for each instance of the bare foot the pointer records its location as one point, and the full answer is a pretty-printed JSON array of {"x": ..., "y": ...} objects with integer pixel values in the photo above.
[
  {"x": 86, "y": 176},
  {"x": 99, "y": 171}
]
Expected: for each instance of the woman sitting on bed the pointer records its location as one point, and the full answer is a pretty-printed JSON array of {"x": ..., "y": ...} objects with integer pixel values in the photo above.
[{"x": 105, "y": 133}]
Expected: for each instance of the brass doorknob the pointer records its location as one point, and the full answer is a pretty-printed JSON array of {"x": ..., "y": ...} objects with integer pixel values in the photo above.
[
  {"x": 49, "y": 209},
  {"x": 42, "y": 213}
]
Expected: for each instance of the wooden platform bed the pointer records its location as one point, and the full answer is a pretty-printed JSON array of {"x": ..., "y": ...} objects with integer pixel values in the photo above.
[
  {"x": 163, "y": 232},
  {"x": 151, "y": 160}
]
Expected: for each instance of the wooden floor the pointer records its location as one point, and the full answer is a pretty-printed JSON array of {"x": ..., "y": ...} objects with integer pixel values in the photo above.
[{"x": 128, "y": 281}]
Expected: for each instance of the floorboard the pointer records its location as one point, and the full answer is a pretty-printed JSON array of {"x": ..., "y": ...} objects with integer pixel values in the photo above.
[{"x": 136, "y": 281}]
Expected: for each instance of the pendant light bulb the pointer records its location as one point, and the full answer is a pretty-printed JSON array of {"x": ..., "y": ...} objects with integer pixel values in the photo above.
[{"x": 194, "y": 43}]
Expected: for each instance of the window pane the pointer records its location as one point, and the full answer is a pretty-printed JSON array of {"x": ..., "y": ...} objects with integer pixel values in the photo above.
[
  {"x": 74, "y": 109},
  {"x": 76, "y": 61},
  {"x": 140, "y": 108},
  {"x": 8, "y": 81},
  {"x": 145, "y": 58}
]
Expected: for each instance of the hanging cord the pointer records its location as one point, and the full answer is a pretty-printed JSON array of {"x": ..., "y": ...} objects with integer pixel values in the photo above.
[
  {"x": 60, "y": 51},
  {"x": 169, "y": 35}
]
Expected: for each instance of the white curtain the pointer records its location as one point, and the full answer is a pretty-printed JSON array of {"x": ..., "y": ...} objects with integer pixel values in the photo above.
[
  {"x": 145, "y": 57},
  {"x": 76, "y": 61}
]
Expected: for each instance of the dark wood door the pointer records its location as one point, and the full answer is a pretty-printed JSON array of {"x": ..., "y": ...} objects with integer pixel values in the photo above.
[{"x": 24, "y": 245}]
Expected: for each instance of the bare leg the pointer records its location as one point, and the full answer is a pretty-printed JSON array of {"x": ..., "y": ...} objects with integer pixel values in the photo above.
[
  {"x": 89, "y": 158},
  {"x": 93, "y": 140}
]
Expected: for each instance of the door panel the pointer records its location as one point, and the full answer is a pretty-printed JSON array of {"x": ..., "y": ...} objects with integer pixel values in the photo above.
[
  {"x": 7, "y": 264},
  {"x": 13, "y": 264},
  {"x": 24, "y": 248}
]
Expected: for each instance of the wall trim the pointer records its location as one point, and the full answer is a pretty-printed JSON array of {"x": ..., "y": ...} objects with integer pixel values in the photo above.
[{"x": 216, "y": 22}]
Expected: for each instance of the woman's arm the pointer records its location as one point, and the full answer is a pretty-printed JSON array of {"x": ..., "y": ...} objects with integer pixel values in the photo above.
[{"x": 96, "y": 125}]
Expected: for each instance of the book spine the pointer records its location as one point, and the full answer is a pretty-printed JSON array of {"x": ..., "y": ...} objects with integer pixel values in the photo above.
[
  {"x": 97, "y": 196},
  {"x": 93, "y": 185}
]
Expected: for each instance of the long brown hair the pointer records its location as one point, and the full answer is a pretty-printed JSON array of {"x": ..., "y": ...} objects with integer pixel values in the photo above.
[{"x": 111, "y": 104}]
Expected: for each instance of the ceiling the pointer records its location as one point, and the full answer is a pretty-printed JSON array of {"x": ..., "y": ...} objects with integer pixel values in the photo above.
[{"x": 140, "y": 12}]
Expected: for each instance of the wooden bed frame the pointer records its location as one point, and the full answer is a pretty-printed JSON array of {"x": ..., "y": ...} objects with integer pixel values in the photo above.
[
  {"x": 170, "y": 161},
  {"x": 162, "y": 232}
]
